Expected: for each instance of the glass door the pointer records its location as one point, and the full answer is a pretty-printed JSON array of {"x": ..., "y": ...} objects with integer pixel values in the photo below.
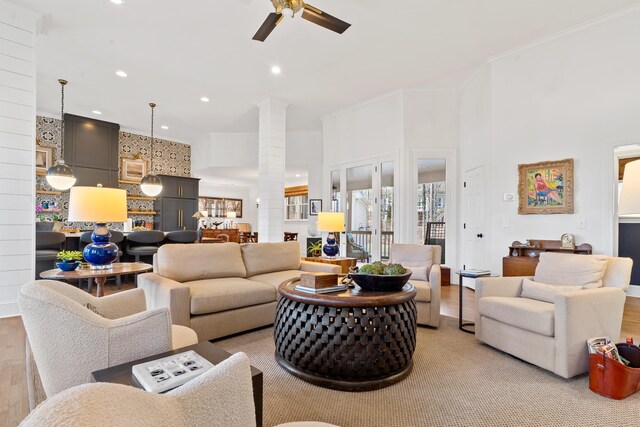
[
  {"x": 386, "y": 208},
  {"x": 431, "y": 201},
  {"x": 360, "y": 208}
]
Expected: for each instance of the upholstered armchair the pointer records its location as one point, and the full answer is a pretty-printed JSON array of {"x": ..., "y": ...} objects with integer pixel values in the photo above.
[
  {"x": 72, "y": 333},
  {"x": 546, "y": 320},
  {"x": 221, "y": 397},
  {"x": 424, "y": 262}
]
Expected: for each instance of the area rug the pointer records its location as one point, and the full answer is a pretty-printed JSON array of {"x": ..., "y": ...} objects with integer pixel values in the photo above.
[{"x": 456, "y": 381}]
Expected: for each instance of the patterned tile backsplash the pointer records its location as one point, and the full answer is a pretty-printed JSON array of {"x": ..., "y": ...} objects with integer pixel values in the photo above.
[{"x": 169, "y": 158}]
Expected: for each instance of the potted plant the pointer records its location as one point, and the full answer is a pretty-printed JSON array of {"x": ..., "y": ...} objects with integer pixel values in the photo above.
[
  {"x": 69, "y": 260},
  {"x": 315, "y": 249}
]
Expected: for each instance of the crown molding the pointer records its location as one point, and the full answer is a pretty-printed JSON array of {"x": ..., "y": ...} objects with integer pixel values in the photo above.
[{"x": 629, "y": 11}]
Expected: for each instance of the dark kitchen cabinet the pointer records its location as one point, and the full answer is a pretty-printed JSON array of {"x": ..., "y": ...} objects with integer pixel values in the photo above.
[
  {"x": 176, "y": 204},
  {"x": 91, "y": 149}
]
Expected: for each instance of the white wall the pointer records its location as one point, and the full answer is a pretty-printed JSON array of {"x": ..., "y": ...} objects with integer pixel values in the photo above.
[
  {"x": 17, "y": 153},
  {"x": 574, "y": 96}
]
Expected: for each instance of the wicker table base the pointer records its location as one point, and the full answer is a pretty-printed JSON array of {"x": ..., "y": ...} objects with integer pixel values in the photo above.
[{"x": 351, "y": 341}]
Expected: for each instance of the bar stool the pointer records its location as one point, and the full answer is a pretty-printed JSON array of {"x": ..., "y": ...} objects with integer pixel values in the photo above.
[
  {"x": 48, "y": 244},
  {"x": 143, "y": 243},
  {"x": 182, "y": 236}
]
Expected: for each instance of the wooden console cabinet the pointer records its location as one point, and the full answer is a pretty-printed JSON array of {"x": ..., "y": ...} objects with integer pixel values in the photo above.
[
  {"x": 523, "y": 259},
  {"x": 233, "y": 233}
]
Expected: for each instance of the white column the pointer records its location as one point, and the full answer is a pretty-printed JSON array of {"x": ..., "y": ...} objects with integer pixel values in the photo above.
[
  {"x": 271, "y": 143},
  {"x": 17, "y": 153}
]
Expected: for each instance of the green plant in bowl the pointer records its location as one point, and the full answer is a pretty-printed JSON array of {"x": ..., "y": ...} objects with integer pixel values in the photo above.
[{"x": 70, "y": 256}]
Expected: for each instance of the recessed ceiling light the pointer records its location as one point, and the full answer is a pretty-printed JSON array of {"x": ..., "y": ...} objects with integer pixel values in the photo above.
[
  {"x": 297, "y": 175},
  {"x": 121, "y": 73},
  {"x": 204, "y": 99},
  {"x": 96, "y": 112},
  {"x": 117, "y": 1},
  {"x": 276, "y": 70},
  {"x": 164, "y": 127}
]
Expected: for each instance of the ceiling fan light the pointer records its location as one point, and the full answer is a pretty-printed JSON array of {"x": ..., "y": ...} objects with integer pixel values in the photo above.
[
  {"x": 151, "y": 185},
  {"x": 60, "y": 176},
  {"x": 287, "y": 12}
]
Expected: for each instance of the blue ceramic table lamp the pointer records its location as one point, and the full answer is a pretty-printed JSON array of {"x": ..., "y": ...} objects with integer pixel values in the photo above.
[
  {"x": 100, "y": 205},
  {"x": 331, "y": 222}
]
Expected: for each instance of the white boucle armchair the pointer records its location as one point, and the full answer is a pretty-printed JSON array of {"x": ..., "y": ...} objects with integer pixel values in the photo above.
[
  {"x": 67, "y": 341},
  {"x": 552, "y": 334}
]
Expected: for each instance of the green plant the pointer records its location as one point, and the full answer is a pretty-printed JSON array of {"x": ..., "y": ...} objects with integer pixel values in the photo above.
[
  {"x": 70, "y": 256},
  {"x": 315, "y": 248},
  {"x": 379, "y": 269}
]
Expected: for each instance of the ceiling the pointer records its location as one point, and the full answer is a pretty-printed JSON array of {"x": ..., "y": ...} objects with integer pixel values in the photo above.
[{"x": 178, "y": 51}]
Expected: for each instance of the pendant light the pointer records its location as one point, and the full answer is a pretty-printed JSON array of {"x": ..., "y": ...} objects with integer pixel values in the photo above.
[
  {"x": 151, "y": 185},
  {"x": 60, "y": 176}
]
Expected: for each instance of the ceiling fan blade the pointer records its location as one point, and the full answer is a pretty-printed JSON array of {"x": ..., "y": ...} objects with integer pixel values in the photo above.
[
  {"x": 267, "y": 26},
  {"x": 323, "y": 19}
]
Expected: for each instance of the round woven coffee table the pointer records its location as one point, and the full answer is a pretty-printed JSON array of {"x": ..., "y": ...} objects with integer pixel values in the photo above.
[{"x": 353, "y": 340}]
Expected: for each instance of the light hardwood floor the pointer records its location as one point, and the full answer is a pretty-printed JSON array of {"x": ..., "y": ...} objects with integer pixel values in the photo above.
[{"x": 13, "y": 389}]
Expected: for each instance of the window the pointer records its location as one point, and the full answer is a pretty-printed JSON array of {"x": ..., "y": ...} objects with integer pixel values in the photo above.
[{"x": 296, "y": 207}]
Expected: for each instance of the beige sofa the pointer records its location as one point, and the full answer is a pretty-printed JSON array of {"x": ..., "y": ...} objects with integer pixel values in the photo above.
[
  {"x": 549, "y": 327},
  {"x": 224, "y": 288}
]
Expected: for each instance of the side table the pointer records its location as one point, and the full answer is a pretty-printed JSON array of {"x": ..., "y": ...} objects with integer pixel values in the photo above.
[
  {"x": 461, "y": 323},
  {"x": 344, "y": 262},
  {"x": 122, "y": 374},
  {"x": 100, "y": 276}
]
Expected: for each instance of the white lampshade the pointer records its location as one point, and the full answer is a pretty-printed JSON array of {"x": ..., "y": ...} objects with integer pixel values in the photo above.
[
  {"x": 331, "y": 221},
  {"x": 97, "y": 204},
  {"x": 630, "y": 194},
  {"x": 231, "y": 215}
]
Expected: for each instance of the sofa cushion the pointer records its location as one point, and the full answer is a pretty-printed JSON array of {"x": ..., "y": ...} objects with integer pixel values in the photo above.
[
  {"x": 189, "y": 262},
  {"x": 542, "y": 291},
  {"x": 618, "y": 273},
  {"x": 423, "y": 290},
  {"x": 417, "y": 258},
  {"x": 262, "y": 258},
  {"x": 571, "y": 270},
  {"x": 216, "y": 295},
  {"x": 276, "y": 278},
  {"x": 523, "y": 313}
]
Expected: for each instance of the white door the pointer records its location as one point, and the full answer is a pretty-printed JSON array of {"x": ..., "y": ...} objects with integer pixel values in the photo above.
[{"x": 473, "y": 225}]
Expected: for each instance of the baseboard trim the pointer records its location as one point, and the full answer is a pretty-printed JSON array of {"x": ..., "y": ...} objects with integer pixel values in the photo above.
[
  {"x": 634, "y": 291},
  {"x": 9, "y": 309}
]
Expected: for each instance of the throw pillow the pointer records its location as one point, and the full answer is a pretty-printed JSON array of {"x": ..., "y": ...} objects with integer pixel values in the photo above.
[
  {"x": 94, "y": 309},
  {"x": 418, "y": 273},
  {"x": 543, "y": 291},
  {"x": 570, "y": 269}
]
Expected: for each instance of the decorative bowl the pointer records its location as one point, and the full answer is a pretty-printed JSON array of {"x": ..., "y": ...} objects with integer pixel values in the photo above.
[
  {"x": 67, "y": 266},
  {"x": 381, "y": 283}
]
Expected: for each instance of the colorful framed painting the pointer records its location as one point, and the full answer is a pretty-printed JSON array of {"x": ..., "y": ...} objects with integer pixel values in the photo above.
[
  {"x": 133, "y": 169},
  {"x": 546, "y": 188},
  {"x": 44, "y": 159}
]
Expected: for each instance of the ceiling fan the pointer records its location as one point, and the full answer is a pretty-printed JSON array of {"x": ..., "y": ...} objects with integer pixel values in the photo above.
[{"x": 289, "y": 8}]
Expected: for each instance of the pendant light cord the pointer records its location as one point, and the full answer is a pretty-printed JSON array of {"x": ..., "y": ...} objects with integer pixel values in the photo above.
[
  {"x": 152, "y": 105},
  {"x": 62, "y": 83}
]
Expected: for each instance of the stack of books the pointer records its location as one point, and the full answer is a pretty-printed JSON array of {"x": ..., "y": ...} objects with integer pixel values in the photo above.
[
  {"x": 474, "y": 273},
  {"x": 319, "y": 283}
]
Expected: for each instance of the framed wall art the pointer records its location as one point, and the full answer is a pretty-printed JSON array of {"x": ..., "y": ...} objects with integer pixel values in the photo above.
[
  {"x": 133, "y": 169},
  {"x": 218, "y": 207},
  {"x": 44, "y": 159},
  {"x": 546, "y": 187},
  {"x": 315, "y": 206}
]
